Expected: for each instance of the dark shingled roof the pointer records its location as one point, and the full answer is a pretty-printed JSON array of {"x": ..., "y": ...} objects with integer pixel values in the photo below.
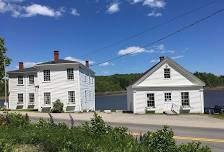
[
  {"x": 58, "y": 62},
  {"x": 32, "y": 69}
]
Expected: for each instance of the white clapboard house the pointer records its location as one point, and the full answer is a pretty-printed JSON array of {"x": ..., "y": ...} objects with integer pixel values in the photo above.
[
  {"x": 73, "y": 83},
  {"x": 166, "y": 88}
]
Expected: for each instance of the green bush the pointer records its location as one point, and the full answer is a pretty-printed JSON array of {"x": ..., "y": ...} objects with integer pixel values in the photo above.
[
  {"x": 16, "y": 120},
  {"x": 57, "y": 107},
  {"x": 93, "y": 136},
  {"x": 161, "y": 140}
]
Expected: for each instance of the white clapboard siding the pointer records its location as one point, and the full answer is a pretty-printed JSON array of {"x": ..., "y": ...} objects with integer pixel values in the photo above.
[
  {"x": 157, "y": 78},
  {"x": 58, "y": 86},
  {"x": 154, "y": 82},
  {"x": 196, "y": 100},
  {"x": 87, "y": 90},
  {"x": 25, "y": 89}
]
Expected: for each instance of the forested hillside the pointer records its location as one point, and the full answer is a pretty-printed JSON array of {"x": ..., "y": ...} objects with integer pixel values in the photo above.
[{"x": 119, "y": 82}]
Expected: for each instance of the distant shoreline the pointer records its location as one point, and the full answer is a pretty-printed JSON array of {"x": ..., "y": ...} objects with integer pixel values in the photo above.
[{"x": 112, "y": 93}]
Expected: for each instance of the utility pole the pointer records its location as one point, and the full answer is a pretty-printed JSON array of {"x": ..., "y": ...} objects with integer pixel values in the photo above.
[{"x": 5, "y": 80}]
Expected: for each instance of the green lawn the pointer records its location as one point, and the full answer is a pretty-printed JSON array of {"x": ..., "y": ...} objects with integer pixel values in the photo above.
[{"x": 218, "y": 116}]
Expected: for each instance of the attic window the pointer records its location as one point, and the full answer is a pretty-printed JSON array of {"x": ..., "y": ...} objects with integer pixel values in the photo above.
[{"x": 166, "y": 73}]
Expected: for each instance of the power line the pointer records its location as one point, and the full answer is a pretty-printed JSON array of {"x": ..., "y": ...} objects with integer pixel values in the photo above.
[
  {"x": 166, "y": 36},
  {"x": 149, "y": 29}
]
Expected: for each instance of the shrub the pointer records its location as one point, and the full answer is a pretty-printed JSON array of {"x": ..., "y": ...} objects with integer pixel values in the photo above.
[
  {"x": 161, "y": 140},
  {"x": 16, "y": 120},
  {"x": 57, "y": 107},
  {"x": 95, "y": 136},
  {"x": 193, "y": 147}
]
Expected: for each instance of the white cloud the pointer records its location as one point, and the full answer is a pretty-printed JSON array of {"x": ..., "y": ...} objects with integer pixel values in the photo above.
[
  {"x": 154, "y": 60},
  {"x": 113, "y": 8},
  {"x": 78, "y": 60},
  {"x": 18, "y": 10},
  {"x": 177, "y": 57},
  {"x": 136, "y": 50},
  {"x": 75, "y": 12},
  {"x": 151, "y": 3},
  {"x": 161, "y": 49},
  {"x": 105, "y": 64},
  {"x": 132, "y": 50},
  {"x": 36, "y": 9},
  {"x": 154, "y": 14}
]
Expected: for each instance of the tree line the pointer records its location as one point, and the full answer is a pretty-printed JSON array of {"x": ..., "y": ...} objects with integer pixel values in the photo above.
[{"x": 119, "y": 82}]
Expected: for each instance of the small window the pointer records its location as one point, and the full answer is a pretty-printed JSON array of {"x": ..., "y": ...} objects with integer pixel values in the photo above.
[
  {"x": 20, "y": 79},
  {"x": 167, "y": 73},
  {"x": 47, "y": 98},
  {"x": 150, "y": 100},
  {"x": 20, "y": 98},
  {"x": 70, "y": 74},
  {"x": 167, "y": 97},
  {"x": 31, "y": 79},
  {"x": 71, "y": 96},
  {"x": 47, "y": 75},
  {"x": 185, "y": 98},
  {"x": 31, "y": 97}
]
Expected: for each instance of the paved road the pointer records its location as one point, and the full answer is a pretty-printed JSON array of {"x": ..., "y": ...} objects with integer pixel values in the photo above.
[{"x": 214, "y": 138}]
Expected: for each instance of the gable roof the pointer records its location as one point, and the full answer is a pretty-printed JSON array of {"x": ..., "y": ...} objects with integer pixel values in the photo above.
[{"x": 174, "y": 65}]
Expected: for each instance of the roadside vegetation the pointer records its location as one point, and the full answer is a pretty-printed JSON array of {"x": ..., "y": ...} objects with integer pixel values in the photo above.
[
  {"x": 218, "y": 116},
  {"x": 19, "y": 134}
]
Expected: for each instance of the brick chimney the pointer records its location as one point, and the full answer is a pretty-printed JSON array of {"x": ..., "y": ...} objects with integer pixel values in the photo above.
[
  {"x": 161, "y": 58},
  {"x": 87, "y": 63},
  {"x": 21, "y": 66},
  {"x": 56, "y": 55}
]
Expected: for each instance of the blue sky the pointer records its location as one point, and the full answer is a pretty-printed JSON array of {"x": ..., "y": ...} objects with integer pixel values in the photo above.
[{"x": 34, "y": 29}]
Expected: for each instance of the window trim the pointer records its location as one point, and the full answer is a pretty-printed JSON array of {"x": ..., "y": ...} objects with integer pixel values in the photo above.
[
  {"x": 45, "y": 97},
  {"x": 167, "y": 74},
  {"x": 20, "y": 102},
  {"x": 185, "y": 100},
  {"x": 20, "y": 76},
  {"x": 47, "y": 77},
  {"x": 70, "y": 76},
  {"x": 33, "y": 97},
  {"x": 169, "y": 95},
  {"x": 149, "y": 101},
  {"x": 71, "y": 99},
  {"x": 30, "y": 81}
]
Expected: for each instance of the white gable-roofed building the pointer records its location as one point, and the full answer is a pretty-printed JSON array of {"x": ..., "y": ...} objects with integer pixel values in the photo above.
[
  {"x": 39, "y": 86},
  {"x": 166, "y": 88}
]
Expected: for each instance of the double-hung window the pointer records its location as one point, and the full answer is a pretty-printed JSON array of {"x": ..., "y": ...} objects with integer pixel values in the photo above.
[
  {"x": 167, "y": 97},
  {"x": 20, "y": 98},
  {"x": 47, "y": 76},
  {"x": 71, "y": 96},
  {"x": 185, "y": 99},
  {"x": 31, "y": 79},
  {"x": 70, "y": 74},
  {"x": 31, "y": 97},
  {"x": 150, "y": 100},
  {"x": 20, "y": 79},
  {"x": 166, "y": 73},
  {"x": 47, "y": 98}
]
